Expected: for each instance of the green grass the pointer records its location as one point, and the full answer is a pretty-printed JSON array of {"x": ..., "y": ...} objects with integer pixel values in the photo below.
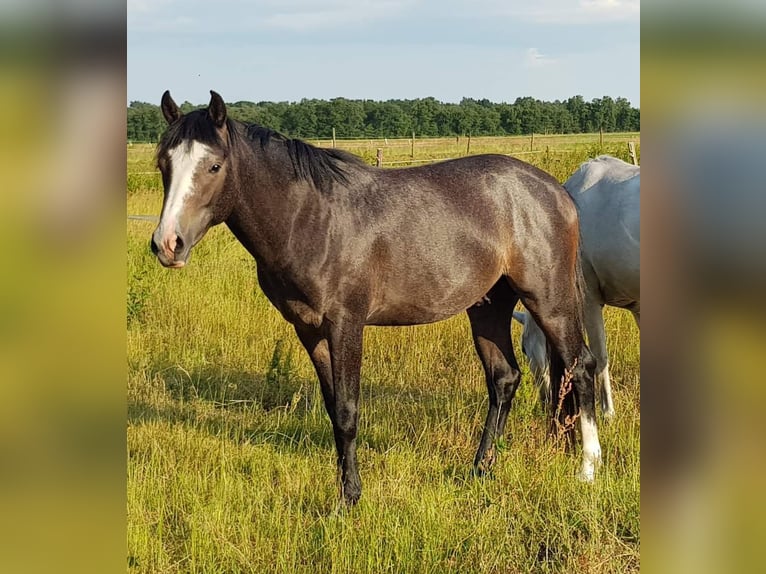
[{"x": 231, "y": 456}]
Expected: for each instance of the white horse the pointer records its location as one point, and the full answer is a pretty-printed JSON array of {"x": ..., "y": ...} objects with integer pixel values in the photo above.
[{"x": 607, "y": 193}]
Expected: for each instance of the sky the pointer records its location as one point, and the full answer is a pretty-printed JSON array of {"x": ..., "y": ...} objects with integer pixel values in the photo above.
[{"x": 287, "y": 50}]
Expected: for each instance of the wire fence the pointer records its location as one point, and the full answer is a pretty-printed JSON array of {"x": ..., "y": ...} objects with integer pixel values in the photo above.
[
  {"x": 391, "y": 152},
  {"x": 380, "y": 162}
]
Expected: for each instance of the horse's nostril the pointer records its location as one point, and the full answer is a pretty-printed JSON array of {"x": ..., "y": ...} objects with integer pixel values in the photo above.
[
  {"x": 154, "y": 247},
  {"x": 179, "y": 244}
]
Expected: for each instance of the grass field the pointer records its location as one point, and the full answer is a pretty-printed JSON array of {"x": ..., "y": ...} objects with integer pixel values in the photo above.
[{"x": 231, "y": 457}]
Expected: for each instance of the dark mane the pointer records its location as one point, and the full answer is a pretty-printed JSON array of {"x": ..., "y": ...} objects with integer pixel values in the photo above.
[{"x": 322, "y": 167}]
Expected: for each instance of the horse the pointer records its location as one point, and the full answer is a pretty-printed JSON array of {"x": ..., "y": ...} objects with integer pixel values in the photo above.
[
  {"x": 607, "y": 192},
  {"x": 340, "y": 245}
]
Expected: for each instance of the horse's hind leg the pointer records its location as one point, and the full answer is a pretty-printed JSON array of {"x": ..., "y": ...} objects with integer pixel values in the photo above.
[
  {"x": 491, "y": 329},
  {"x": 569, "y": 355},
  {"x": 593, "y": 315}
]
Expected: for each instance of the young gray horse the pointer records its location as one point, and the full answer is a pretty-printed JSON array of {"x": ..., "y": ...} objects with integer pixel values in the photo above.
[
  {"x": 607, "y": 192},
  {"x": 340, "y": 244}
]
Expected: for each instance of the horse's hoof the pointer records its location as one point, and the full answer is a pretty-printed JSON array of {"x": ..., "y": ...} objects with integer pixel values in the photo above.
[
  {"x": 588, "y": 471},
  {"x": 350, "y": 496},
  {"x": 587, "y": 476},
  {"x": 481, "y": 473}
]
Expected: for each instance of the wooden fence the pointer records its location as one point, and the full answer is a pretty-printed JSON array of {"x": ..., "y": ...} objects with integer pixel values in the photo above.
[
  {"x": 526, "y": 145},
  {"x": 380, "y": 161}
]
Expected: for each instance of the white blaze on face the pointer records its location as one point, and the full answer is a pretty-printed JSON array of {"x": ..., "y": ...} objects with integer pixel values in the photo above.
[{"x": 184, "y": 162}]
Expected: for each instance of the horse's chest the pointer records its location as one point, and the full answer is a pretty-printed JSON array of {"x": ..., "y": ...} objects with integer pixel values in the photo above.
[
  {"x": 291, "y": 302},
  {"x": 298, "y": 312}
]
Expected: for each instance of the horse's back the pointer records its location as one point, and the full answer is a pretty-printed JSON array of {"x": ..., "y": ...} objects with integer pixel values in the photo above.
[
  {"x": 445, "y": 233},
  {"x": 604, "y": 169},
  {"x": 607, "y": 193},
  {"x": 472, "y": 178},
  {"x": 488, "y": 195}
]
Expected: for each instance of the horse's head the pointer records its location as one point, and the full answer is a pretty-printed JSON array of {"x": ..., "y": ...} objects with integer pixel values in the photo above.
[{"x": 194, "y": 159}]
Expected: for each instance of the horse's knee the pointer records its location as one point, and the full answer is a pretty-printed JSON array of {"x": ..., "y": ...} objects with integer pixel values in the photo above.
[
  {"x": 346, "y": 420},
  {"x": 506, "y": 380},
  {"x": 588, "y": 362},
  {"x": 584, "y": 379}
]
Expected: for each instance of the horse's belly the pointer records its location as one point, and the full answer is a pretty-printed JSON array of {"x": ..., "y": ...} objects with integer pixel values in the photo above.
[
  {"x": 407, "y": 315},
  {"x": 427, "y": 306},
  {"x": 623, "y": 291}
]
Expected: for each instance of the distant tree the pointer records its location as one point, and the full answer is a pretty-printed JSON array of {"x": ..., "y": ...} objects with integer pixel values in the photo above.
[
  {"x": 578, "y": 111},
  {"x": 530, "y": 115},
  {"x": 424, "y": 117},
  {"x": 396, "y": 122},
  {"x": 398, "y": 118},
  {"x": 145, "y": 122},
  {"x": 510, "y": 121},
  {"x": 626, "y": 117},
  {"x": 300, "y": 120},
  {"x": 467, "y": 117}
]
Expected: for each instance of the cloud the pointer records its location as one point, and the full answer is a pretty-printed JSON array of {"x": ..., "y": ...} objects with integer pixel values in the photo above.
[
  {"x": 306, "y": 16},
  {"x": 611, "y": 9},
  {"x": 534, "y": 59},
  {"x": 571, "y": 12},
  {"x": 283, "y": 15}
]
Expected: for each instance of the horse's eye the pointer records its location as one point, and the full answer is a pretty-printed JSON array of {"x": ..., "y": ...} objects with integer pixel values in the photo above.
[{"x": 216, "y": 168}]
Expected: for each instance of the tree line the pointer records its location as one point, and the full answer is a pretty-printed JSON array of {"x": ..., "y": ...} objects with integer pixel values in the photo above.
[{"x": 426, "y": 117}]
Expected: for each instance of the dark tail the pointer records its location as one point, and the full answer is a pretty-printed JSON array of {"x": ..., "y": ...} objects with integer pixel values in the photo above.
[{"x": 563, "y": 398}]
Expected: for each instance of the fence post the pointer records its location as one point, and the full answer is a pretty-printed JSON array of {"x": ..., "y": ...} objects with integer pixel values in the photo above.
[
  {"x": 379, "y": 157},
  {"x": 468, "y": 147},
  {"x": 412, "y": 148},
  {"x": 532, "y": 142},
  {"x": 333, "y": 137},
  {"x": 601, "y": 136},
  {"x": 632, "y": 152}
]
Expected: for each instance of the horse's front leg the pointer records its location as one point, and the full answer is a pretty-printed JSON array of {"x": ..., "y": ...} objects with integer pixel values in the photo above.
[
  {"x": 336, "y": 353},
  {"x": 345, "y": 338}
]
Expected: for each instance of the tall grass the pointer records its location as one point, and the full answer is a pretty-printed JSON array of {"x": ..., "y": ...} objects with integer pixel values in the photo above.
[{"x": 231, "y": 456}]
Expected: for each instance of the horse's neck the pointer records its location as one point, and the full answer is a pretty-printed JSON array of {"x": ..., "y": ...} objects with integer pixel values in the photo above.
[{"x": 263, "y": 216}]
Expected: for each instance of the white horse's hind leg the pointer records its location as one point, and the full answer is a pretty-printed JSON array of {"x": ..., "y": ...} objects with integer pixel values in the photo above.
[
  {"x": 603, "y": 379},
  {"x": 594, "y": 326},
  {"x": 543, "y": 382},
  {"x": 591, "y": 448}
]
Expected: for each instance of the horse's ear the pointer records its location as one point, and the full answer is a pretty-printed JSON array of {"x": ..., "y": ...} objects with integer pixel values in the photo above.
[
  {"x": 217, "y": 109},
  {"x": 520, "y": 317},
  {"x": 169, "y": 108}
]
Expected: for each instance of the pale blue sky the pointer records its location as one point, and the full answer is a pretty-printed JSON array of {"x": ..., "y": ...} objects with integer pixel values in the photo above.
[{"x": 286, "y": 50}]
